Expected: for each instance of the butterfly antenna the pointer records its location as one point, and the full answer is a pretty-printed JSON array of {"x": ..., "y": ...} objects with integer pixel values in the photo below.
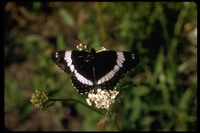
[
  {"x": 101, "y": 43},
  {"x": 78, "y": 39}
]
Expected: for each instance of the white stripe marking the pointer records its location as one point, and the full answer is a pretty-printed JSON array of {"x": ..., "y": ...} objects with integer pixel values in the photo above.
[
  {"x": 116, "y": 68},
  {"x": 69, "y": 60},
  {"x": 72, "y": 68},
  {"x": 56, "y": 54},
  {"x": 119, "y": 63},
  {"x": 82, "y": 79},
  {"x": 133, "y": 56},
  {"x": 69, "y": 63}
]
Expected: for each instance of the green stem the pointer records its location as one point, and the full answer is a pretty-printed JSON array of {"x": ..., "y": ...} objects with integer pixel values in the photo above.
[{"x": 78, "y": 102}]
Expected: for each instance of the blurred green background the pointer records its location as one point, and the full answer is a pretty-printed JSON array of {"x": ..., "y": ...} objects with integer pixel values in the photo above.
[{"x": 160, "y": 94}]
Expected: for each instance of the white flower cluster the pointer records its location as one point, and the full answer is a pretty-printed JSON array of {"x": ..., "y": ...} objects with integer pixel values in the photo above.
[
  {"x": 82, "y": 47},
  {"x": 102, "y": 99}
]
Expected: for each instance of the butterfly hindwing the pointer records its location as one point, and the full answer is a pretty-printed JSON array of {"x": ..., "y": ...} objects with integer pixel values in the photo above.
[{"x": 81, "y": 87}]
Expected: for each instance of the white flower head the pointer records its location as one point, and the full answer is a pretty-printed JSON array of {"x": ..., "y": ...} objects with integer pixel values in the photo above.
[
  {"x": 102, "y": 99},
  {"x": 82, "y": 47}
]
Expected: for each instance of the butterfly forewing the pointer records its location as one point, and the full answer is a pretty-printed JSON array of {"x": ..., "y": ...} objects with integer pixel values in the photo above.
[
  {"x": 60, "y": 60},
  {"x": 83, "y": 64},
  {"x": 105, "y": 62},
  {"x": 117, "y": 63},
  {"x": 79, "y": 64},
  {"x": 83, "y": 75}
]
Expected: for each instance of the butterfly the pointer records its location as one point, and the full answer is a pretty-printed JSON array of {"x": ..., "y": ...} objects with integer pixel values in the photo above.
[{"x": 103, "y": 69}]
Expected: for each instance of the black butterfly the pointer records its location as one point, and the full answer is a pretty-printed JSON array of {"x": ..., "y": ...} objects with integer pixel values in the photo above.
[{"x": 89, "y": 69}]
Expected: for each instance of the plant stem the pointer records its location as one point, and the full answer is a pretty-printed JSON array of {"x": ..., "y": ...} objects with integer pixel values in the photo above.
[{"x": 78, "y": 102}]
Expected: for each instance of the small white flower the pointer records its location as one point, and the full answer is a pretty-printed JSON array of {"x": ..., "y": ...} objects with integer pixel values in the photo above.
[
  {"x": 82, "y": 47},
  {"x": 88, "y": 101},
  {"x": 102, "y": 49},
  {"x": 102, "y": 99}
]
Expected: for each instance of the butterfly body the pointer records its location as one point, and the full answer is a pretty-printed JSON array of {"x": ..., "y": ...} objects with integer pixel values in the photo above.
[{"x": 89, "y": 69}]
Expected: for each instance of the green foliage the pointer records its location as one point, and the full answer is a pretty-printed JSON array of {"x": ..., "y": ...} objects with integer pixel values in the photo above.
[{"x": 160, "y": 94}]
